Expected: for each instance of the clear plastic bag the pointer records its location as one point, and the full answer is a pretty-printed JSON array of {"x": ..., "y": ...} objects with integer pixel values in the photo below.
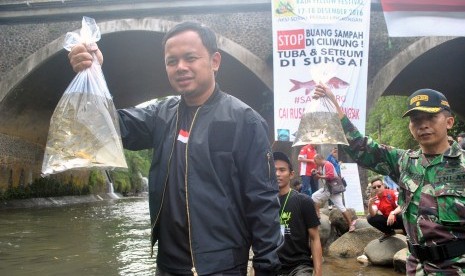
[
  {"x": 320, "y": 124},
  {"x": 84, "y": 128}
]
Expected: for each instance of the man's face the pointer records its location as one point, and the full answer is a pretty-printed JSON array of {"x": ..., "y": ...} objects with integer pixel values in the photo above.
[
  {"x": 430, "y": 130},
  {"x": 283, "y": 174},
  {"x": 189, "y": 66},
  {"x": 377, "y": 186}
]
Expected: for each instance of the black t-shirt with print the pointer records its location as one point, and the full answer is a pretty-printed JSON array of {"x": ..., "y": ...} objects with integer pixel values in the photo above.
[
  {"x": 298, "y": 216},
  {"x": 173, "y": 242}
]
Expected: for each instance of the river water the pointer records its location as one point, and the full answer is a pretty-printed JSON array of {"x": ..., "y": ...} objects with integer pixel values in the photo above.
[{"x": 103, "y": 238}]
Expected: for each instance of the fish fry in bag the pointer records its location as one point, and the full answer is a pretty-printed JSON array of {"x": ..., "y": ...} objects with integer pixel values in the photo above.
[
  {"x": 320, "y": 124},
  {"x": 84, "y": 128}
]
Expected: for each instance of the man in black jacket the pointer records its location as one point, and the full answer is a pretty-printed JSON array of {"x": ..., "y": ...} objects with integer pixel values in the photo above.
[{"x": 212, "y": 186}]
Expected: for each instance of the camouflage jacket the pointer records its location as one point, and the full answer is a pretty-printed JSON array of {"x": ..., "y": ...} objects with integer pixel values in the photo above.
[{"x": 432, "y": 194}]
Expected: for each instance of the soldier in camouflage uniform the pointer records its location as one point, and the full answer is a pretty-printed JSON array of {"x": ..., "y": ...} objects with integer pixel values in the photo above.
[{"x": 431, "y": 181}]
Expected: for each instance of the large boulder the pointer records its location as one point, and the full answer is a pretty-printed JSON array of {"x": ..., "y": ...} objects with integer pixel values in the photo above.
[
  {"x": 351, "y": 244},
  {"x": 325, "y": 211},
  {"x": 338, "y": 222},
  {"x": 362, "y": 223},
  {"x": 382, "y": 253},
  {"x": 326, "y": 235},
  {"x": 400, "y": 260}
]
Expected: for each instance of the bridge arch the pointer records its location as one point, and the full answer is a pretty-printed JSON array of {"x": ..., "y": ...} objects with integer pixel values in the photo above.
[
  {"x": 428, "y": 62},
  {"x": 122, "y": 42},
  {"x": 135, "y": 72},
  {"x": 251, "y": 61}
]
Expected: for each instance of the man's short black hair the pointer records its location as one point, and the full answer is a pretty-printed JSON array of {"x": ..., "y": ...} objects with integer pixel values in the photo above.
[
  {"x": 277, "y": 155},
  {"x": 207, "y": 36},
  {"x": 461, "y": 134}
]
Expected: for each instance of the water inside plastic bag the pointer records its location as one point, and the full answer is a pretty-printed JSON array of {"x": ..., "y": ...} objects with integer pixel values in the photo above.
[
  {"x": 82, "y": 134},
  {"x": 320, "y": 128}
]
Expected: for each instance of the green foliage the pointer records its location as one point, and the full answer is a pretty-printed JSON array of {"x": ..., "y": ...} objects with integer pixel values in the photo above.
[
  {"x": 135, "y": 163},
  {"x": 138, "y": 165},
  {"x": 43, "y": 187},
  {"x": 121, "y": 182},
  {"x": 124, "y": 182},
  {"x": 459, "y": 126},
  {"x": 386, "y": 125},
  {"x": 97, "y": 182}
]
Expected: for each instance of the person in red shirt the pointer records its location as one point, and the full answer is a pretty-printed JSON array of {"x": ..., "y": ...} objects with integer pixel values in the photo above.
[
  {"x": 307, "y": 165},
  {"x": 384, "y": 211},
  {"x": 327, "y": 173}
]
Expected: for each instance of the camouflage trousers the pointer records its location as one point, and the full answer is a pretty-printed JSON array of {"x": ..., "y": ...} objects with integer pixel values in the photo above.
[{"x": 452, "y": 267}]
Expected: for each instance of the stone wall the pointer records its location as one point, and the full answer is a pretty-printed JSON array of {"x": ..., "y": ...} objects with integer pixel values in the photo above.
[
  {"x": 20, "y": 41},
  {"x": 20, "y": 161}
]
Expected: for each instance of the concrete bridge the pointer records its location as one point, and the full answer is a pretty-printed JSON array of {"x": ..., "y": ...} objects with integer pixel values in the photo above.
[{"x": 34, "y": 69}]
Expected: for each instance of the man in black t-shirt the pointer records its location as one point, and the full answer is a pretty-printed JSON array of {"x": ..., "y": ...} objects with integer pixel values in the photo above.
[{"x": 301, "y": 253}]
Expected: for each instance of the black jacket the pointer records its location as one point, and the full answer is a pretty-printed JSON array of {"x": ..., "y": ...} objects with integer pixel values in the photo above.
[{"x": 232, "y": 189}]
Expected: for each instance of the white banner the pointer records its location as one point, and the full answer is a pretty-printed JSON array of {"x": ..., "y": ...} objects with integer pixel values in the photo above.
[
  {"x": 424, "y": 17},
  {"x": 353, "y": 195},
  {"x": 313, "y": 41}
]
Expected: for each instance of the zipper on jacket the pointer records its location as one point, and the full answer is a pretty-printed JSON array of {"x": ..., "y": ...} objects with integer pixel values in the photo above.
[
  {"x": 166, "y": 181},
  {"x": 268, "y": 155},
  {"x": 194, "y": 271}
]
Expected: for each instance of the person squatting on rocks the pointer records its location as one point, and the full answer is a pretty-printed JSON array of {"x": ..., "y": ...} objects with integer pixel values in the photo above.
[
  {"x": 384, "y": 213},
  {"x": 212, "y": 187},
  {"x": 327, "y": 173},
  {"x": 301, "y": 253},
  {"x": 431, "y": 181}
]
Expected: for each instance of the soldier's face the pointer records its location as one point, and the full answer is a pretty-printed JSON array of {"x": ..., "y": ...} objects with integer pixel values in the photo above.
[{"x": 430, "y": 130}]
